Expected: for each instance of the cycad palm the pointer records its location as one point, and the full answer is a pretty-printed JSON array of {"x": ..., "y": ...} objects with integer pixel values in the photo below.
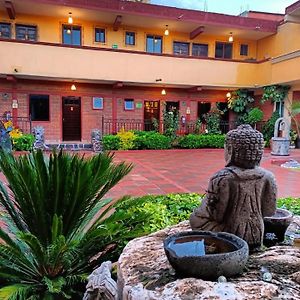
[{"x": 51, "y": 209}]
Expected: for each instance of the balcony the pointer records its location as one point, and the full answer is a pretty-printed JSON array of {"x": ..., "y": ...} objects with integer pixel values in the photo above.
[{"x": 55, "y": 61}]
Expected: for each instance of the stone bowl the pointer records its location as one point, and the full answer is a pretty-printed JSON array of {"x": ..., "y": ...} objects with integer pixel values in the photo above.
[
  {"x": 276, "y": 226},
  {"x": 206, "y": 255}
]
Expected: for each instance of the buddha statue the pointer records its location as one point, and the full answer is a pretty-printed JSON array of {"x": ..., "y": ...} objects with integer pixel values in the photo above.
[{"x": 240, "y": 195}]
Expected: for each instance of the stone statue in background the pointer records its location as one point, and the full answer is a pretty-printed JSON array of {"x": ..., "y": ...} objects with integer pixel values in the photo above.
[
  {"x": 39, "y": 135},
  {"x": 240, "y": 195},
  {"x": 97, "y": 140}
]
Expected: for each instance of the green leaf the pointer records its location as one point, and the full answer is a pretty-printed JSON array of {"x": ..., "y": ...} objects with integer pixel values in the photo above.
[{"x": 15, "y": 292}]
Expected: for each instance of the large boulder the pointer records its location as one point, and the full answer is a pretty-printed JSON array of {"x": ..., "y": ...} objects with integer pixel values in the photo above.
[{"x": 145, "y": 273}]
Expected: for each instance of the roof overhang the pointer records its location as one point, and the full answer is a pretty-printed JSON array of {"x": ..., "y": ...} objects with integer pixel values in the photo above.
[
  {"x": 149, "y": 16},
  {"x": 293, "y": 10}
]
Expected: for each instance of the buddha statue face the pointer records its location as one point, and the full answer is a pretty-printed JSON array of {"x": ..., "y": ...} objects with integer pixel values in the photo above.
[{"x": 244, "y": 147}]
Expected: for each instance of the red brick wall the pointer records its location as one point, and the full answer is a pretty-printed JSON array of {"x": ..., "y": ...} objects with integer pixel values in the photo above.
[
  {"x": 91, "y": 118},
  {"x": 267, "y": 107}
]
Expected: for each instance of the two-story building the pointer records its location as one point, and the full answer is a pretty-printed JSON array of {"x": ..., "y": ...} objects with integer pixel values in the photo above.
[{"x": 73, "y": 65}]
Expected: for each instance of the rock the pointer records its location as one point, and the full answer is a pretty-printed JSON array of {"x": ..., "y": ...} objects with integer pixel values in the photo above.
[
  {"x": 144, "y": 273},
  {"x": 100, "y": 284},
  {"x": 296, "y": 277}
]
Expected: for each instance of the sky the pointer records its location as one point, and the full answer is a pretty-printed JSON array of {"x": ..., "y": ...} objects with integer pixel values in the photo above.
[{"x": 233, "y": 7}]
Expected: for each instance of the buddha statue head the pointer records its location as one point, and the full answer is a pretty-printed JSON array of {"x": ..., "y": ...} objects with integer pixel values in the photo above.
[{"x": 244, "y": 147}]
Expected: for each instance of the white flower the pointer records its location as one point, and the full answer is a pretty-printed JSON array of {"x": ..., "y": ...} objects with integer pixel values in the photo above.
[{"x": 206, "y": 131}]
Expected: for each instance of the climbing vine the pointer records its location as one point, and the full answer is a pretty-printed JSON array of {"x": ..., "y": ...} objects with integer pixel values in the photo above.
[
  {"x": 239, "y": 102},
  {"x": 275, "y": 93}
]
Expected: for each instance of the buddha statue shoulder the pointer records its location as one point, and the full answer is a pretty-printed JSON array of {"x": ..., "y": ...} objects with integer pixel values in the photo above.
[{"x": 240, "y": 195}]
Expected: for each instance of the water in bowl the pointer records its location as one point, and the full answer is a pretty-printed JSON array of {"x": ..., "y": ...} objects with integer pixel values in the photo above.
[{"x": 197, "y": 245}]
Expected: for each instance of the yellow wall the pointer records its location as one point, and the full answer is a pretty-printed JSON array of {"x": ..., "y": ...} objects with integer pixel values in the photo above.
[
  {"x": 285, "y": 41},
  {"x": 49, "y": 30},
  {"x": 85, "y": 64},
  {"x": 56, "y": 62}
]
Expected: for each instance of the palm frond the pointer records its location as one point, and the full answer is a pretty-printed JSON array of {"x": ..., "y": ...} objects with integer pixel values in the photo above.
[
  {"x": 15, "y": 292},
  {"x": 53, "y": 207}
]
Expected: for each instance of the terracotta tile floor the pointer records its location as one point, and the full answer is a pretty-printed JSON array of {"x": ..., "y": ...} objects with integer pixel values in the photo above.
[{"x": 185, "y": 171}]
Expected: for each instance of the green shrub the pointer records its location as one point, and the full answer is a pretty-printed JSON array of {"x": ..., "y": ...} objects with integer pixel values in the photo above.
[
  {"x": 268, "y": 128},
  {"x": 193, "y": 141},
  {"x": 170, "y": 122},
  {"x": 111, "y": 142},
  {"x": 255, "y": 115},
  {"x": 157, "y": 141},
  {"x": 23, "y": 143},
  {"x": 213, "y": 121},
  {"x": 140, "y": 138},
  {"x": 54, "y": 211},
  {"x": 152, "y": 213},
  {"x": 291, "y": 204},
  {"x": 126, "y": 139}
]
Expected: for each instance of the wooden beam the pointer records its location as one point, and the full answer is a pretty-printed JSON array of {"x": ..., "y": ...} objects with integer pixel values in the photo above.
[
  {"x": 196, "y": 32},
  {"x": 117, "y": 23},
  {"x": 10, "y": 9}
]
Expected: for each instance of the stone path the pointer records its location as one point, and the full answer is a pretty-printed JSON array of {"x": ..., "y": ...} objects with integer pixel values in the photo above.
[{"x": 186, "y": 171}]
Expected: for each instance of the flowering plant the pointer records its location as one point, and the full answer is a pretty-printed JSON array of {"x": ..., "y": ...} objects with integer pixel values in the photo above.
[{"x": 13, "y": 132}]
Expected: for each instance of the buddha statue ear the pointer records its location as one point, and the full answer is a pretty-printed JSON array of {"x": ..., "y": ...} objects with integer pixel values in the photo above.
[{"x": 229, "y": 154}]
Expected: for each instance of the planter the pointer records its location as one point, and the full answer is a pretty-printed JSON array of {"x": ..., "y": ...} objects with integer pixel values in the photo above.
[
  {"x": 276, "y": 226},
  {"x": 206, "y": 255}
]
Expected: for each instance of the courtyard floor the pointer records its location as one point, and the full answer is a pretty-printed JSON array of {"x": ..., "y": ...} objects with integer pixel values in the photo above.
[{"x": 188, "y": 171}]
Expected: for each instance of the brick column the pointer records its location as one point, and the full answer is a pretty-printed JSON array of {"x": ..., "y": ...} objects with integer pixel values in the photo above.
[
  {"x": 114, "y": 113},
  {"x": 14, "y": 107}
]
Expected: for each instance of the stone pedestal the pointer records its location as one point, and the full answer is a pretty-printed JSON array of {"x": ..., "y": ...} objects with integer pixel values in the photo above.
[
  {"x": 280, "y": 146},
  {"x": 145, "y": 273},
  {"x": 281, "y": 139}
]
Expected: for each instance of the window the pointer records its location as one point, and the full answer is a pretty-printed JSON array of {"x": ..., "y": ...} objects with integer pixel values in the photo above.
[
  {"x": 223, "y": 50},
  {"x": 154, "y": 44},
  {"x": 129, "y": 104},
  {"x": 100, "y": 35},
  {"x": 279, "y": 107},
  {"x": 200, "y": 50},
  {"x": 130, "y": 38},
  {"x": 97, "y": 103},
  {"x": 5, "y": 30},
  {"x": 39, "y": 107},
  {"x": 181, "y": 48},
  {"x": 244, "y": 50},
  {"x": 24, "y": 32},
  {"x": 71, "y": 35}
]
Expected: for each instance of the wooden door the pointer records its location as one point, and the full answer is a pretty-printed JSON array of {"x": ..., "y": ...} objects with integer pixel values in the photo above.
[
  {"x": 151, "y": 110},
  {"x": 71, "y": 118}
]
